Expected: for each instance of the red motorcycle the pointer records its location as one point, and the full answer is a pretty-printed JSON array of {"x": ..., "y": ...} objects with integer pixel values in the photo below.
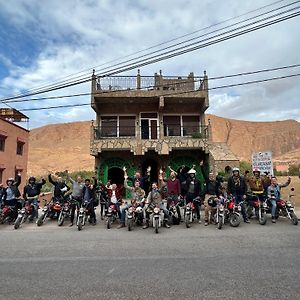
[
  {"x": 232, "y": 212},
  {"x": 111, "y": 215},
  {"x": 6, "y": 214},
  {"x": 23, "y": 214}
]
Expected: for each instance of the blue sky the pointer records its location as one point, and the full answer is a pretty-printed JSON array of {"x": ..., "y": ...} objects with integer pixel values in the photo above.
[{"x": 43, "y": 41}]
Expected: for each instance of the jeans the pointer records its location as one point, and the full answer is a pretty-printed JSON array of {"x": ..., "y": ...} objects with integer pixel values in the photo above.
[
  {"x": 274, "y": 207},
  {"x": 123, "y": 213}
]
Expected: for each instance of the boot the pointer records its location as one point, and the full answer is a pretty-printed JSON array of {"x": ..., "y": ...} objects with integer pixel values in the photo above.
[{"x": 146, "y": 225}]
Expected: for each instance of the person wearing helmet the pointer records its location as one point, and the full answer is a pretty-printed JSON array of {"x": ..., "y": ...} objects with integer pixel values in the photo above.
[
  {"x": 256, "y": 184},
  {"x": 2, "y": 192},
  {"x": 11, "y": 194},
  {"x": 60, "y": 188},
  {"x": 193, "y": 191},
  {"x": 88, "y": 194},
  {"x": 237, "y": 188},
  {"x": 31, "y": 193}
]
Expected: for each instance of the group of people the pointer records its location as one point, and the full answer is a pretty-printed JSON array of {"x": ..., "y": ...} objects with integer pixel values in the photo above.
[{"x": 179, "y": 185}]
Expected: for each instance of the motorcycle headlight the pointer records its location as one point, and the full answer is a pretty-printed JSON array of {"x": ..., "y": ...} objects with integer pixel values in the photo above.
[
  {"x": 239, "y": 208},
  {"x": 139, "y": 210},
  {"x": 130, "y": 210},
  {"x": 221, "y": 207},
  {"x": 156, "y": 210},
  {"x": 265, "y": 205}
]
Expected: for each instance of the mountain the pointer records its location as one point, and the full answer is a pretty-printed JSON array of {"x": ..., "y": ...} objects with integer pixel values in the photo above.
[{"x": 59, "y": 147}]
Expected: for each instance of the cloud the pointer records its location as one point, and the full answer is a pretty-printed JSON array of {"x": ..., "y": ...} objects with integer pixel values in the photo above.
[{"x": 73, "y": 37}]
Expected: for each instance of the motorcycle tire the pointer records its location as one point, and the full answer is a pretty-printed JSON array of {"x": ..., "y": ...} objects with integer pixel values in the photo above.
[
  {"x": 294, "y": 218},
  {"x": 108, "y": 223},
  {"x": 220, "y": 223},
  {"x": 129, "y": 225},
  {"x": 40, "y": 221},
  {"x": 156, "y": 225},
  {"x": 60, "y": 220},
  {"x": 263, "y": 219},
  {"x": 234, "y": 220},
  {"x": 187, "y": 223},
  {"x": 17, "y": 223},
  {"x": 79, "y": 223}
]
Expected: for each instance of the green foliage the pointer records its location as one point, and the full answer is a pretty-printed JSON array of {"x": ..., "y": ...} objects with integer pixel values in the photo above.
[
  {"x": 294, "y": 170},
  {"x": 48, "y": 187},
  {"x": 245, "y": 166}
]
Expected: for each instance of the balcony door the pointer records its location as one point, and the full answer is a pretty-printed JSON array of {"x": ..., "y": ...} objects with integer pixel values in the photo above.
[{"x": 149, "y": 126}]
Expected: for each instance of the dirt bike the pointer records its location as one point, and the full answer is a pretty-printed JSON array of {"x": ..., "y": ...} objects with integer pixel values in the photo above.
[
  {"x": 26, "y": 211},
  {"x": 173, "y": 209},
  {"x": 190, "y": 212},
  {"x": 219, "y": 215}
]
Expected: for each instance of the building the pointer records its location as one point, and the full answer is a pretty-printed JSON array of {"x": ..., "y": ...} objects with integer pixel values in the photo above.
[
  {"x": 152, "y": 121},
  {"x": 13, "y": 145}
]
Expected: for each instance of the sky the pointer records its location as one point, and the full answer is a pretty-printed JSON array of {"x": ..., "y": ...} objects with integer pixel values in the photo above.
[{"x": 43, "y": 42}]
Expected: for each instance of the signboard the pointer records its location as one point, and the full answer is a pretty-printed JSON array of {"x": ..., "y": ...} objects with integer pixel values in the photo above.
[{"x": 263, "y": 162}]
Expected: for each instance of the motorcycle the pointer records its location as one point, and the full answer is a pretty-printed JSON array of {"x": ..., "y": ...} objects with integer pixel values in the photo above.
[
  {"x": 134, "y": 215},
  {"x": 232, "y": 212},
  {"x": 6, "y": 214},
  {"x": 190, "y": 212},
  {"x": 156, "y": 218},
  {"x": 64, "y": 213},
  {"x": 23, "y": 213},
  {"x": 111, "y": 215},
  {"x": 173, "y": 209},
  {"x": 259, "y": 207},
  {"x": 84, "y": 214},
  {"x": 45, "y": 213},
  {"x": 286, "y": 209},
  {"x": 219, "y": 216}
]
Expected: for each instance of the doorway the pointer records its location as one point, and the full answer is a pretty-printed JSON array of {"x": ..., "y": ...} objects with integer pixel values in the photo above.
[
  {"x": 149, "y": 126},
  {"x": 116, "y": 175}
]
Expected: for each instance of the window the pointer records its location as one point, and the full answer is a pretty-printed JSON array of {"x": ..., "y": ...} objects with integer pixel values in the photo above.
[
  {"x": 109, "y": 126},
  {"x": 172, "y": 126},
  {"x": 20, "y": 148},
  {"x": 117, "y": 126},
  {"x": 2, "y": 142},
  {"x": 190, "y": 125},
  {"x": 126, "y": 126},
  {"x": 1, "y": 175}
]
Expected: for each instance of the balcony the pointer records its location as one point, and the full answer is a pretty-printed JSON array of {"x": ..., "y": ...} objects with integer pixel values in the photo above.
[{"x": 140, "y": 139}]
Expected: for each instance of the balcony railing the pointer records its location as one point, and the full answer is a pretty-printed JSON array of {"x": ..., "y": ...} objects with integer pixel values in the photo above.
[
  {"x": 107, "y": 132},
  {"x": 113, "y": 83}
]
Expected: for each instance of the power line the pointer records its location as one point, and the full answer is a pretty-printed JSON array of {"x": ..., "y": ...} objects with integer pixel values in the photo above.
[
  {"x": 163, "y": 43},
  {"x": 175, "y": 93},
  {"x": 157, "y": 86},
  {"x": 169, "y": 54}
]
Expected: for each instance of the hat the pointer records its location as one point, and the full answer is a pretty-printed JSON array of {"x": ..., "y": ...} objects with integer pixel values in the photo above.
[{"x": 192, "y": 171}]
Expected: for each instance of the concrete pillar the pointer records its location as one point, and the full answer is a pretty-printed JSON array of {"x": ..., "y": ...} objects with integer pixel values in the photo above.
[{"x": 138, "y": 80}]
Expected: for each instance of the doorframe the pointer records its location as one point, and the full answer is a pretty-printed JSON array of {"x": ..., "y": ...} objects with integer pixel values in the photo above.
[{"x": 149, "y": 123}]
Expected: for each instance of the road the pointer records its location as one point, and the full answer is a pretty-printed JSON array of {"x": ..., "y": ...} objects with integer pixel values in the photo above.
[{"x": 248, "y": 262}]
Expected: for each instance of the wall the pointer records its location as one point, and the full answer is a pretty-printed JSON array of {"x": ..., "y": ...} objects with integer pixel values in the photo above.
[{"x": 9, "y": 160}]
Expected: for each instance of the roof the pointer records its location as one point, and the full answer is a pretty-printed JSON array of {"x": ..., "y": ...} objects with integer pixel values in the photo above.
[{"x": 12, "y": 114}]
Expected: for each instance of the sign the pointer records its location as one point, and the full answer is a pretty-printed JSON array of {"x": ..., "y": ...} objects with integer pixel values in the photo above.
[{"x": 263, "y": 162}]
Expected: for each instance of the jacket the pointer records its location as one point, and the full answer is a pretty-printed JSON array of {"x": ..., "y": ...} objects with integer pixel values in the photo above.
[
  {"x": 14, "y": 187},
  {"x": 32, "y": 190},
  {"x": 58, "y": 186},
  {"x": 236, "y": 185}
]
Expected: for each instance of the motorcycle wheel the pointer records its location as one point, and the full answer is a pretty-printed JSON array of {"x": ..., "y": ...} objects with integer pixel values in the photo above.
[
  {"x": 79, "y": 223},
  {"x": 61, "y": 219},
  {"x": 220, "y": 223},
  {"x": 129, "y": 225},
  {"x": 263, "y": 219},
  {"x": 17, "y": 223},
  {"x": 156, "y": 225},
  {"x": 294, "y": 218},
  {"x": 40, "y": 220},
  {"x": 234, "y": 220},
  {"x": 108, "y": 223}
]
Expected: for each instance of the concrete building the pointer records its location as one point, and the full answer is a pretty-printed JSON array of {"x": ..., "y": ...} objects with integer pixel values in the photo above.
[
  {"x": 13, "y": 145},
  {"x": 152, "y": 121}
]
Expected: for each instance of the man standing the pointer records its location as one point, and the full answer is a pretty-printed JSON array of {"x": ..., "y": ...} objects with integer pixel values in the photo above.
[
  {"x": 194, "y": 191},
  {"x": 76, "y": 196},
  {"x": 88, "y": 193},
  {"x": 237, "y": 188},
  {"x": 212, "y": 189}
]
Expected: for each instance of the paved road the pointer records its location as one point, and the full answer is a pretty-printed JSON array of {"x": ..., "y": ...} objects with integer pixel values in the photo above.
[{"x": 249, "y": 262}]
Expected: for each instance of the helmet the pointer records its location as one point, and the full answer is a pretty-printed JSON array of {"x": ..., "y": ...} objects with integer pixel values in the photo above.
[
  {"x": 10, "y": 180},
  {"x": 32, "y": 179},
  {"x": 235, "y": 170},
  {"x": 192, "y": 171},
  {"x": 256, "y": 170}
]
